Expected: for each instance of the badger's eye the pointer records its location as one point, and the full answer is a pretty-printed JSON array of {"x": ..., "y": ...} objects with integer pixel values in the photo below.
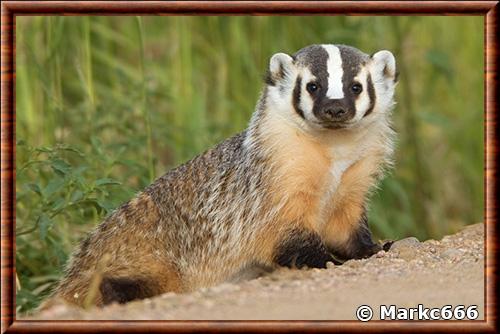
[
  {"x": 312, "y": 87},
  {"x": 356, "y": 88}
]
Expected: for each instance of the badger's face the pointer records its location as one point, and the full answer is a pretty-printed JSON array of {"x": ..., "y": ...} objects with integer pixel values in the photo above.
[{"x": 332, "y": 86}]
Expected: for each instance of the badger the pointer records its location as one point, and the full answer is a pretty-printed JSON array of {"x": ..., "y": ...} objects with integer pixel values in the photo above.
[{"x": 291, "y": 190}]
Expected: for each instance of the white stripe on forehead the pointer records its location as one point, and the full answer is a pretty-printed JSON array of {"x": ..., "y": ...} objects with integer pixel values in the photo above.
[{"x": 335, "y": 72}]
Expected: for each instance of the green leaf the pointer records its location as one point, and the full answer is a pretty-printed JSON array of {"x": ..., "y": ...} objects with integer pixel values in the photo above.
[
  {"x": 53, "y": 186},
  {"x": 44, "y": 224},
  {"x": 79, "y": 179},
  {"x": 60, "y": 166},
  {"x": 35, "y": 187},
  {"x": 76, "y": 196},
  {"x": 96, "y": 144},
  {"x": 44, "y": 149},
  {"x": 72, "y": 149},
  {"x": 107, "y": 206},
  {"x": 93, "y": 201},
  {"x": 105, "y": 181},
  {"x": 58, "y": 204}
]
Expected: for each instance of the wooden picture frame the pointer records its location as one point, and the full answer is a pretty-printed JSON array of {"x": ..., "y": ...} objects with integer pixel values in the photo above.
[{"x": 11, "y": 9}]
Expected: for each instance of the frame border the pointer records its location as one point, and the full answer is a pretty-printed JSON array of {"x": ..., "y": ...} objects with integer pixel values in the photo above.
[{"x": 11, "y": 9}]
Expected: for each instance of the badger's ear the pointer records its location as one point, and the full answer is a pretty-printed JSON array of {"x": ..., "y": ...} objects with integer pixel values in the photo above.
[
  {"x": 280, "y": 68},
  {"x": 384, "y": 65}
]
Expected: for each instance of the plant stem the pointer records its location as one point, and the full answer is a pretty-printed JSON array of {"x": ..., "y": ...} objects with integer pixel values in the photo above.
[
  {"x": 88, "y": 71},
  {"x": 144, "y": 101}
]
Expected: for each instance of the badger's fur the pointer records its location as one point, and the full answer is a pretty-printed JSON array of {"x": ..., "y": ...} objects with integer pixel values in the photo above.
[{"x": 290, "y": 190}]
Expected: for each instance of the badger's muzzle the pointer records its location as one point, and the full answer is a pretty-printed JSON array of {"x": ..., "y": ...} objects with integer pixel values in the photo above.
[{"x": 334, "y": 114}]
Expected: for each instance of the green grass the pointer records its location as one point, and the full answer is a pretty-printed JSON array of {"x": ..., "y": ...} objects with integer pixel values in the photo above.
[{"x": 106, "y": 104}]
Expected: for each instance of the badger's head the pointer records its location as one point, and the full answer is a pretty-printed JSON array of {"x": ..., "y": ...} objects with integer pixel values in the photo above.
[{"x": 331, "y": 86}]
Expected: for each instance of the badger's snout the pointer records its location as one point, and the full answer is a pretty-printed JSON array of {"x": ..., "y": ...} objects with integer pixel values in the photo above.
[{"x": 334, "y": 112}]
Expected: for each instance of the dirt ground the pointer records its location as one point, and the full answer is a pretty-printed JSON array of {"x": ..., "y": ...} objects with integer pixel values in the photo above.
[{"x": 432, "y": 273}]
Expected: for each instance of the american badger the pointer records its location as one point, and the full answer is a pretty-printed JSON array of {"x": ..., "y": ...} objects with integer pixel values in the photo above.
[{"x": 290, "y": 190}]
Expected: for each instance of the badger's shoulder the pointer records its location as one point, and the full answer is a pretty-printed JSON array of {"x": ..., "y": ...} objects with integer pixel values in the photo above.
[{"x": 186, "y": 189}]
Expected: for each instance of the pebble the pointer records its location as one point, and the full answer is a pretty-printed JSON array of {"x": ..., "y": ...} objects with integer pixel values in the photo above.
[
  {"x": 330, "y": 265},
  {"x": 410, "y": 242}
]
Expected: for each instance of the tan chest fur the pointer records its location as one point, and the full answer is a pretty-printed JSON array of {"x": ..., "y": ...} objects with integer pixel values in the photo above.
[{"x": 322, "y": 181}]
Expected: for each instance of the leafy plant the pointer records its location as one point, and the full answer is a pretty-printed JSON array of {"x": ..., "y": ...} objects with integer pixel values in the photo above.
[{"x": 63, "y": 200}]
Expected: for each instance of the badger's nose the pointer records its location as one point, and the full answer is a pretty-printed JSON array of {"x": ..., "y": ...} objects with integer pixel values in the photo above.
[{"x": 335, "y": 113}]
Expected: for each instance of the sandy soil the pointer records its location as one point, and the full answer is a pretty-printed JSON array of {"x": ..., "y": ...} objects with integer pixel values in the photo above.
[{"x": 432, "y": 273}]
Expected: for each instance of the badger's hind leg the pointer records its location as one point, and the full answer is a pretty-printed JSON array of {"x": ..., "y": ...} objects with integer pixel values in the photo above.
[
  {"x": 151, "y": 280},
  {"x": 124, "y": 289}
]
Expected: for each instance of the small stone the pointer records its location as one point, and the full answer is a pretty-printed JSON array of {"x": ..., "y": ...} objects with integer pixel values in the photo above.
[
  {"x": 380, "y": 254},
  {"x": 330, "y": 265},
  {"x": 410, "y": 242}
]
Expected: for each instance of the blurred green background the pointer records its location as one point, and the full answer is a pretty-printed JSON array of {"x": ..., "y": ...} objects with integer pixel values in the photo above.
[{"x": 106, "y": 104}]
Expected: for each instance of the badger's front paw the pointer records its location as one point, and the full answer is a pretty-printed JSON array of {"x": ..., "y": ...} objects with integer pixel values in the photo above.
[
  {"x": 383, "y": 245},
  {"x": 302, "y": 248},
  {"x": 369, "y": 250}
]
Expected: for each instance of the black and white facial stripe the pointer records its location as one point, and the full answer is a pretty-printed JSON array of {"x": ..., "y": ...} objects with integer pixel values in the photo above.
[
  {"x": 331, "y": 86},
  {"x": 335, "y": 85}
]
